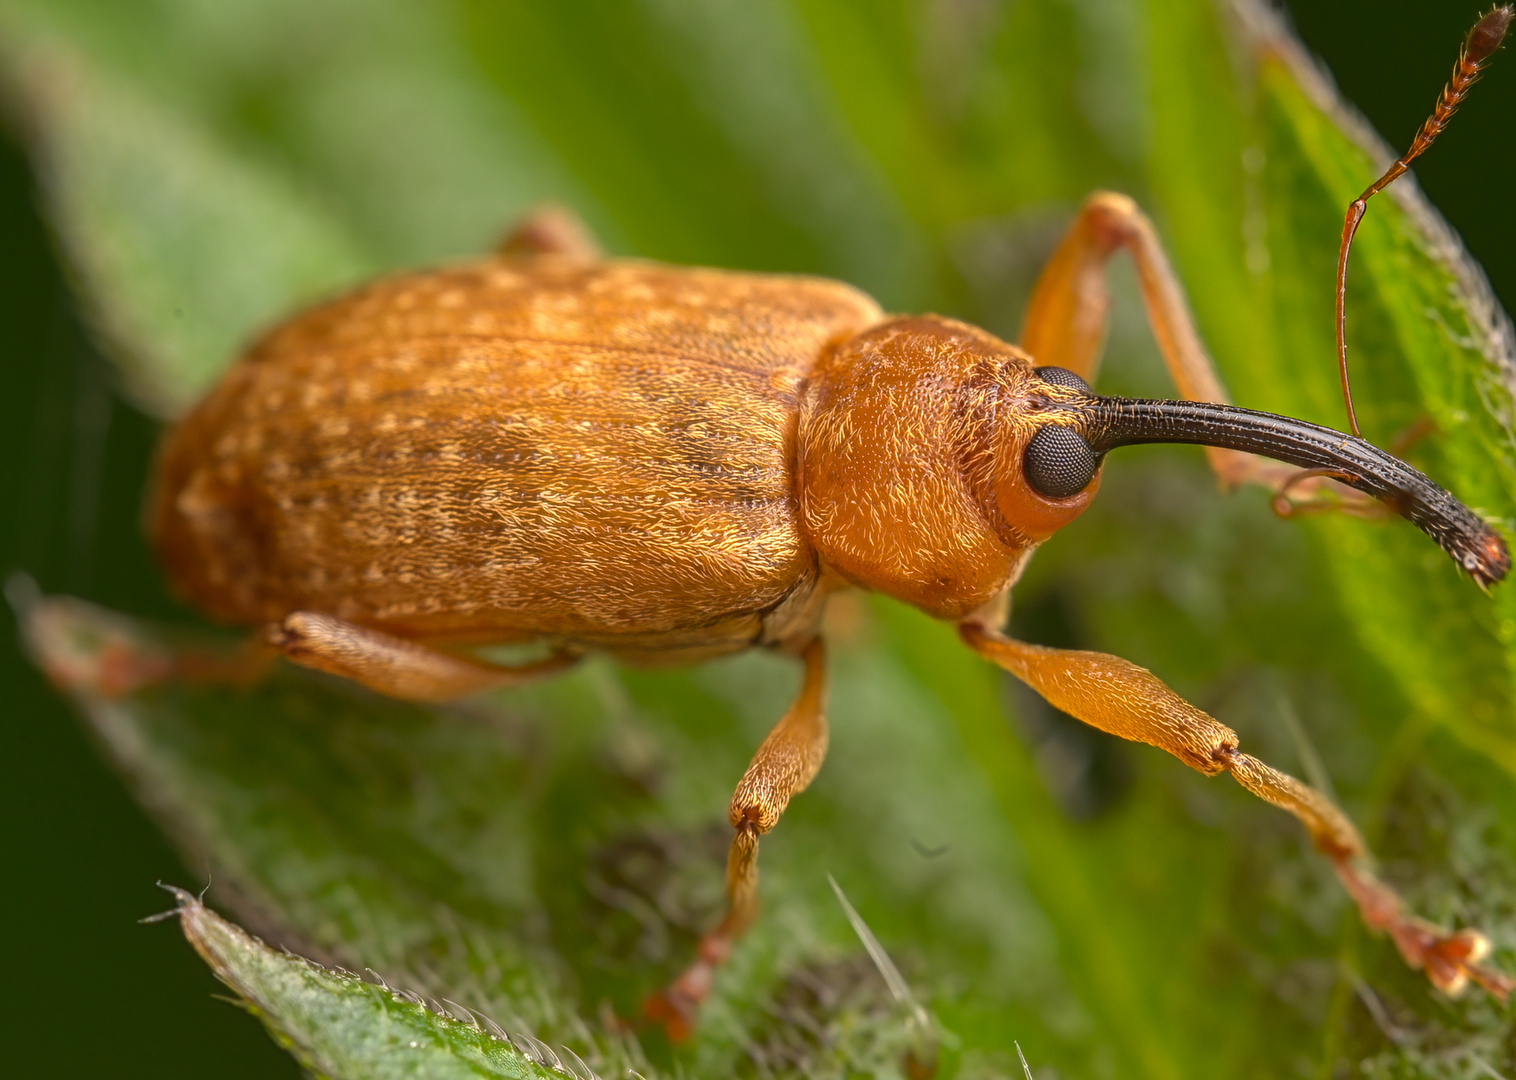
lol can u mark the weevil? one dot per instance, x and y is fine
(669, 464)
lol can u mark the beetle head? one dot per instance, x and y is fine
(933, 457)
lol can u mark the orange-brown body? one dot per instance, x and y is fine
(661, 462)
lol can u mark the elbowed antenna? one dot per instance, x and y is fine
(1479, 46)
(1109, 422)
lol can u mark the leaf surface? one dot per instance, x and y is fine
(550, 856)
(336, 1024)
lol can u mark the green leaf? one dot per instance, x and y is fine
(550, 856)
(336, 1024)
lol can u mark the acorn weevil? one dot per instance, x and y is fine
(669, 464)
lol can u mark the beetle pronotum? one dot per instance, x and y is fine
(669, 464)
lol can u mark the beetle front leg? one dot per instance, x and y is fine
(1065, 326)
(785, 764)
(1123, 699)
(394, 666)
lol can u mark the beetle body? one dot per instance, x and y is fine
(663, 463)
(670, 464)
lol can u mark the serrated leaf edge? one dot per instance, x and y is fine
(199, 924)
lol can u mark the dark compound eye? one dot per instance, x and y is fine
(1061, 377)
(1058, 462)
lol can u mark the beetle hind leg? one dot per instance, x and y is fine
(88, 651)
(784, 765)
(1125, 700)
(394, 666)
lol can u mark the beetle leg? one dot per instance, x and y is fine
(551, 229)
(1123, 699)
(395, 666)
(88, 650)
(784, 765)
(1066, 320)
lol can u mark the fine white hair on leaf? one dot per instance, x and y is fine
(1024, 1066)
(892, 977)
(1486, 1068)
(461, 1013)
(549, 1059)
(587, 1074)
(523, 1044)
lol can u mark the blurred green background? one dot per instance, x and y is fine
(88, 991)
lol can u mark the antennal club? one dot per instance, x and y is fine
(1481, 44)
